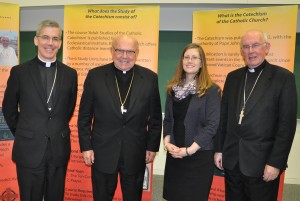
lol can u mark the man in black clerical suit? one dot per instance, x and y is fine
(38, 103)
(258, 123)
(120, 122)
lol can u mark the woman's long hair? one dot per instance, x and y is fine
(203, 80)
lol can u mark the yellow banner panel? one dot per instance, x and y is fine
(9, 28)
(220, 31)
(88, 33)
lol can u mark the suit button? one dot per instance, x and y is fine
(49, 118)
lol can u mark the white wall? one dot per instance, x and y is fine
(177, 17)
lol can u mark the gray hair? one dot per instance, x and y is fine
(48, 23)
(263, 34)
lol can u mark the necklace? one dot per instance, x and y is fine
(123, 110)
(246, 99)
(50, 94)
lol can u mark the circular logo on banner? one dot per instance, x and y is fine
(8, 195)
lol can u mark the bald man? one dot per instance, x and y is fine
(120, 122)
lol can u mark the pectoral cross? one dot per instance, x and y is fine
(241, 116)
(123, 110)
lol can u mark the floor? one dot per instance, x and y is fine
(291, 192)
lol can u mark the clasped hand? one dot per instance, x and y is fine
(176, 152)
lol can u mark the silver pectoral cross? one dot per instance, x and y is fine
(123, 110)
(241, 116)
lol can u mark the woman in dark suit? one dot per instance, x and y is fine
(191, 120)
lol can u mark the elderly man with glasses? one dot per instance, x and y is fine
(258, 123)
(119, 122)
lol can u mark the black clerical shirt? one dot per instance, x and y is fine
(124, 80)
(252, 76)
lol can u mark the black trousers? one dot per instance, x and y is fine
(45, 182)
(104, 185)
(239, 187)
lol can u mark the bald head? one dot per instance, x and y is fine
(125, 39)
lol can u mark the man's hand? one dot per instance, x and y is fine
(88, 157)
(218, 160)
(150, 156)
(270, 173)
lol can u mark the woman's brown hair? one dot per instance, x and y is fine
(203, 80)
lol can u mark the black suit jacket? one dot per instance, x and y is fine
(268, 127)
(26, 113)
(105, 130)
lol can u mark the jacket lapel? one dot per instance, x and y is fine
(137, 86)
(260, 89)
(110, 82)
(240, 79)
(58, 84)
(36, 77)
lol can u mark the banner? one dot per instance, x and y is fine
(219, 33)
(88, 33)
(9, 54)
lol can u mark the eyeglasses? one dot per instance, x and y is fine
(48, 38)
(188, 58)
(120, 52)
(254, 46)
